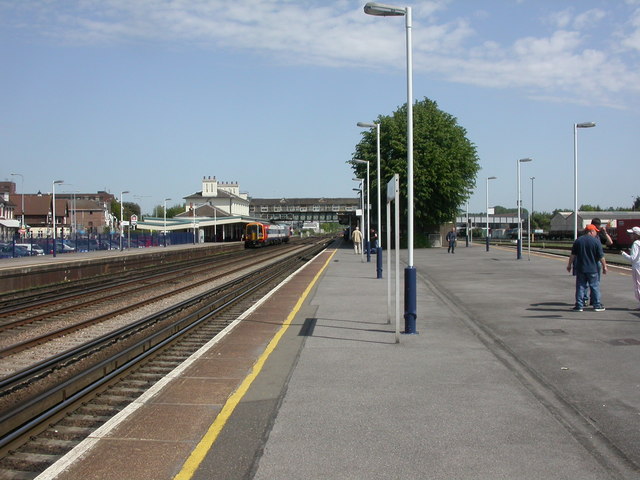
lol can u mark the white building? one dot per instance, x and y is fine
(224, 196)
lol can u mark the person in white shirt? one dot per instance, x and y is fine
(634, 257)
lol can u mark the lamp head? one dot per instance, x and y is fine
(366, 125)
(491, 178)
(585, 125)
(358, 160)
(526, 160)
(382, 10)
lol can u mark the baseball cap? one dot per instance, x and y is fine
(635, 230)
(591, 226)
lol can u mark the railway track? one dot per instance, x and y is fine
(40, 322)
(48, 408)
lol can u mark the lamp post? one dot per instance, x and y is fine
(466, 228)
(22, 189)
(576, 126)
(164, 232)
(53, 209)
(487, 235)
(367, 208)
(410, 307)
(529, 221)
(379, 244)
(360, 191)
(519, 241)
(122, 217)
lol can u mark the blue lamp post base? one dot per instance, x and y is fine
(410, 301)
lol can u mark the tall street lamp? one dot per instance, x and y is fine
(379, 244)
(22, 189)
(519, 246)
(410, 303)
(360, 191)
(368, 209)
(122, 217)
(53, 209)
(529, 221)
(576, 126)
(164, 233)
(487, 239)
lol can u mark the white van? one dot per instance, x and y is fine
(32, 248)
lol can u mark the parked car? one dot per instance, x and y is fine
(32, 248)
(9, 251)
(62, 247)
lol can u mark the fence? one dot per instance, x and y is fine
(30, 245)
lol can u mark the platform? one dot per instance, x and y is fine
(502, 381)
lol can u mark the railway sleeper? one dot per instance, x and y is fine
(78, 420)
(67, 432)
(128, 391)
(99, 410)
(28, 462)
(50, 446)
(111, 400)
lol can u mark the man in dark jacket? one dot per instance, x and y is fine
(451, 240)
(586, 253)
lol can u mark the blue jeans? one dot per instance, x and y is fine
(584, 282)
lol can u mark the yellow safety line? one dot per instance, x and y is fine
(197, 456)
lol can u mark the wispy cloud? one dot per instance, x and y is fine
(576, 59)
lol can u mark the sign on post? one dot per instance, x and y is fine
(134, 219)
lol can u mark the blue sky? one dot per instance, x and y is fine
(152, 95)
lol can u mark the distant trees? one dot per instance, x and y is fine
(158, 210)
(444, 168)
(130, 208)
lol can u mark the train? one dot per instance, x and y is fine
(261, 234)
(621, 238)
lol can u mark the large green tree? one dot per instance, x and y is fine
(445, 162)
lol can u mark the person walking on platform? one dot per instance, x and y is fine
(356, 236)
(586, 253)
(634, 257)
(451, 240)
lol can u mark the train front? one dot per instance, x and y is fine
(253, 235)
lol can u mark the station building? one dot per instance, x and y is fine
(301, 211)
(220, 211)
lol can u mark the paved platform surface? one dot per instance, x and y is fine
(502, 381)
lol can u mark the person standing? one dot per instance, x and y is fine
(634, 257)
(374, 238)
(606, 241)
(604, 237)
(586, 253)
(451, 240)
(356, 236)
